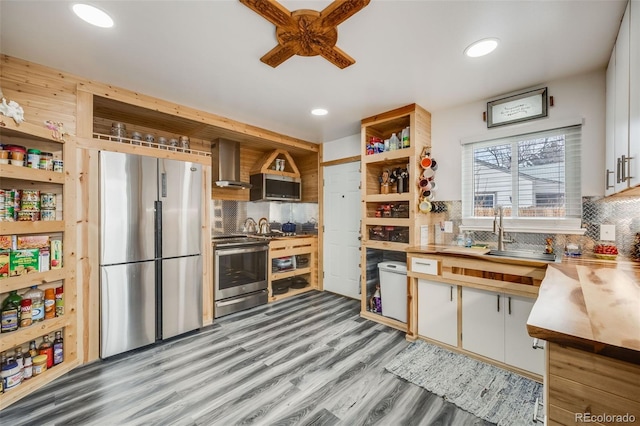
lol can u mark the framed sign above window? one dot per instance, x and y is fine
(517, 108)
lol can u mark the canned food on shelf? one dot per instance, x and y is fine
(58, 166)
(27, 216)
(47, 215)
(33, 158)
(48, 201)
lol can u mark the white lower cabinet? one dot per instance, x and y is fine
(438, 311)
(494, 325)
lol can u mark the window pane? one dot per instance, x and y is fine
(492, 175)
(541, 177)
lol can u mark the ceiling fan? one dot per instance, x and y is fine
(306, 32)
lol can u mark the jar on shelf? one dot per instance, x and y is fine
(46, 161)
(118, 131)
(136, 138)
(33, 158)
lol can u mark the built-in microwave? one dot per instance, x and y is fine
(274, 188)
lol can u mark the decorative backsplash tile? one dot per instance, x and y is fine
(623, 212)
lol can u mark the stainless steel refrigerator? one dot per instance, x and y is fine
(150, 250)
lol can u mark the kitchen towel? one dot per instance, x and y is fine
(489, 392)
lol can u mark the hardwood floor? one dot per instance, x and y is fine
(308, 360)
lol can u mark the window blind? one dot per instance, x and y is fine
(533, 176)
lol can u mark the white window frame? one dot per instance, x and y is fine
(568, 225)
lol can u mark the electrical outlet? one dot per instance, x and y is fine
(608, 232)
(448, 227)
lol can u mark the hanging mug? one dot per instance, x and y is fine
(434, 165)
(424, 206)
(425, 162)
(424, 184)
(428, 173)
(427, 195)
(433, 184)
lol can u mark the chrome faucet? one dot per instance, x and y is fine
(498, 228)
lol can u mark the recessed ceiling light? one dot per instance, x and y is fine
(319, 111)
(481, 47)
(93, 15)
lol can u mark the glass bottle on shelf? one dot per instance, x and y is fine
(33, 350)
(11, 312)
(58, 349)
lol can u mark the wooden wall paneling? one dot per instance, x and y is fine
(308, 166)
(88, 211)
(207, 249)
(320, 218)
(72, 332)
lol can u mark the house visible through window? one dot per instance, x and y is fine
(532, 176)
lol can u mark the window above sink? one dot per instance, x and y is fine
(534, 176)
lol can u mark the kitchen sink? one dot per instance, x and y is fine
(521, 254)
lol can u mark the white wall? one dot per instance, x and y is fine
(341, 148)
(581, 96)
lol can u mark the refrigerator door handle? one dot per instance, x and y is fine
(158, 212)
(163, 184)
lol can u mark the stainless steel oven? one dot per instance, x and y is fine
(240, 274)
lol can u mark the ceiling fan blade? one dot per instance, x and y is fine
(336, 56)
(339, 11)
(270, 10)
(279, 54)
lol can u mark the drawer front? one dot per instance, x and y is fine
(424, 266)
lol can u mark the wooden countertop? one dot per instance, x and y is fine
(585, 303)
(594, 308)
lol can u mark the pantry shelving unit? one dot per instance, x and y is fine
(391, 236)
(39, 137)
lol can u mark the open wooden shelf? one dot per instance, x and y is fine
(385, 245)
(27, 280)
(7, 171)
(35, 383)
(387, 198)
(34, 331)
(379, 318)
(290, 293)
(288, 274)
(387, 221)
(389, 156)
(37, 227)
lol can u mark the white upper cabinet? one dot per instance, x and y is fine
(634, 94)
(610, 108)
(623, 105)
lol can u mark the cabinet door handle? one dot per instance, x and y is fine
(451, 294)
(509, 304)
(628, 169)
(623, 168)
(618, 178)
(537, 344)
(607, 186)
(498, 300)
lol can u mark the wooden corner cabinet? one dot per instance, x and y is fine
(60, 226)
(391, 220)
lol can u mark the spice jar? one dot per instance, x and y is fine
(46, 161)
(136, 138)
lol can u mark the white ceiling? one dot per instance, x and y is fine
(205, 54)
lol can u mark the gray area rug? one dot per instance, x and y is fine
(489, 392)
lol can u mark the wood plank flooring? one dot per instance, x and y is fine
(307, 360)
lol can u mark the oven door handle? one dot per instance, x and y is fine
(235, 300)
(240, 250)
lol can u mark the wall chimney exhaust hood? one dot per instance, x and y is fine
(225, 157)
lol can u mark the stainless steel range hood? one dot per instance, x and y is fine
(225, 156)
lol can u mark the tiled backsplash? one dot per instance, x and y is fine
(228, 217)
(623, 212)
